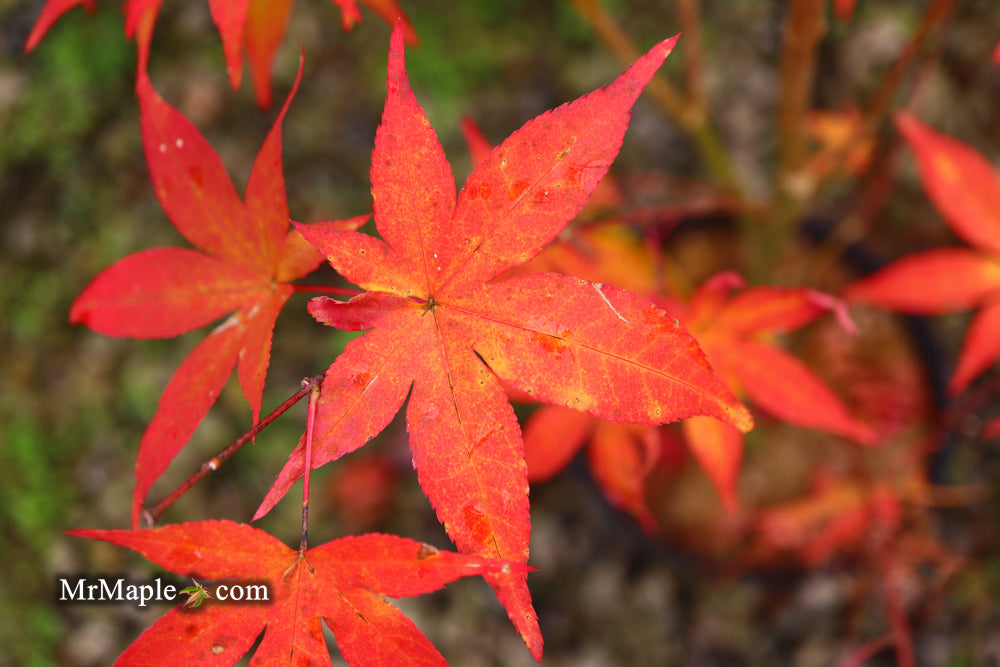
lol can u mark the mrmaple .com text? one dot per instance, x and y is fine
(108, 589)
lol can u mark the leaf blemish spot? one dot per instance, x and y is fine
(218, 648)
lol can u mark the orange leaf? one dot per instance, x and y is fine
(786, 388)
(718, 449)
(621, 456)
(944, 280)
(552, 437)
(981, 348)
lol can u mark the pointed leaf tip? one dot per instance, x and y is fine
(961, 183)
(397, 61)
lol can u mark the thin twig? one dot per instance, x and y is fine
(803, 31)
(689, 15)
(151, 516)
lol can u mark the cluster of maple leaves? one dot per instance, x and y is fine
(471, 299)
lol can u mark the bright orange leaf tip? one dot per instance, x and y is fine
(965, 189)
(445, 336)
(341, 582)
(246, 257)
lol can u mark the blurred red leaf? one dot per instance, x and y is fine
(844, 9)
(737, 333)
(552, 437)
(621, 456)
(965, 189)
(991, 429)
(835, 516)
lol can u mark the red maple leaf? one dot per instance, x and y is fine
(256, 26)
(341, 582)
(245, 260)
(443, 334)
(965, 189)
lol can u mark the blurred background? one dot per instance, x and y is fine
(75, 197)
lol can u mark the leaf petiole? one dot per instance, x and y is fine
(310, 421)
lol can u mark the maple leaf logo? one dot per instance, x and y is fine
(196, 594)
(447, 333)
(340, 583)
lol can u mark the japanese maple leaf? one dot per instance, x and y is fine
(245, 258)
(445, 335)
(341, 582)
(965, 189)
(256, 26)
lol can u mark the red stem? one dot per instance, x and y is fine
(151, 516)
(310, 420)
